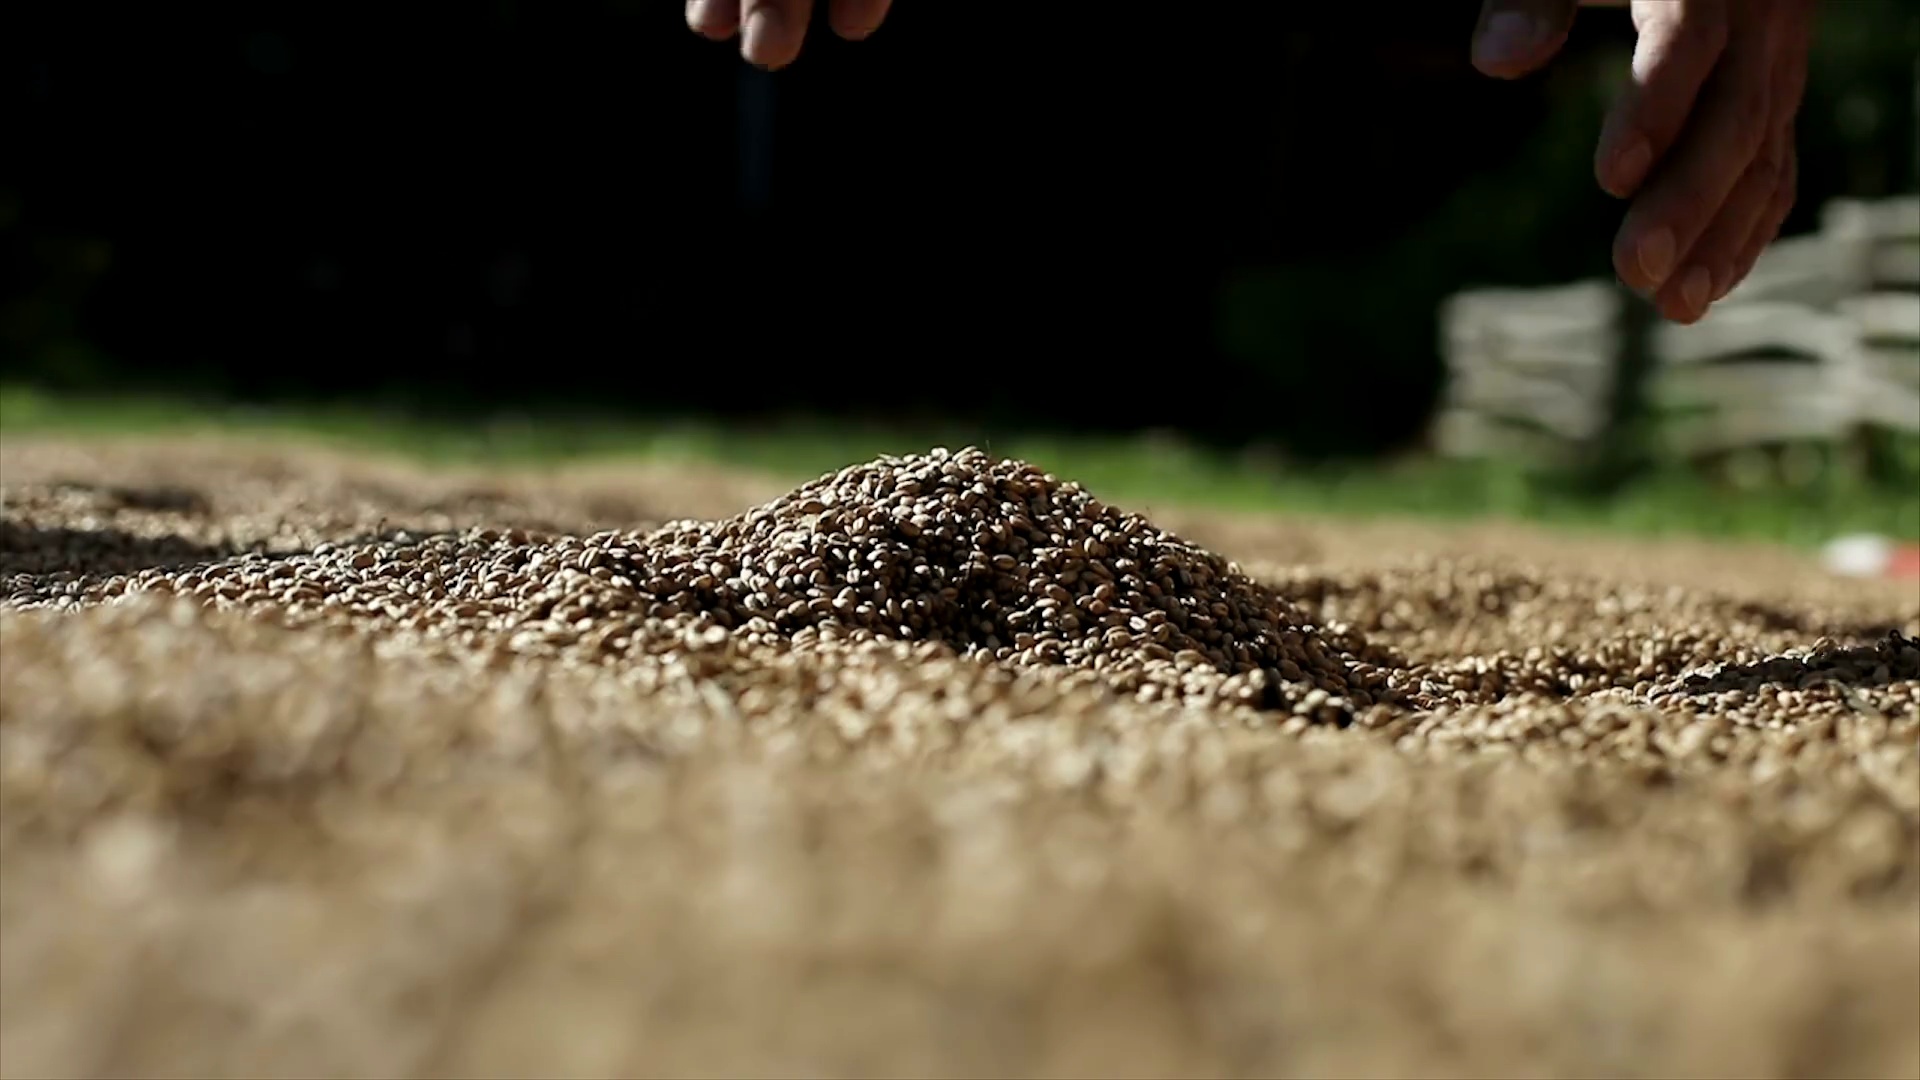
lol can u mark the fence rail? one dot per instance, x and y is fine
(1821, 341)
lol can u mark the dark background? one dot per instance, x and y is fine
(1234, 222)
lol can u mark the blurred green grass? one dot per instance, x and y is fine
(1141, 473)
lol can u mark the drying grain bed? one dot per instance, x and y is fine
(938, 766)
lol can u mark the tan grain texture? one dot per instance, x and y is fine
(318, 766)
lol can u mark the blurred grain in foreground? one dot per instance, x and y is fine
(1646, 809)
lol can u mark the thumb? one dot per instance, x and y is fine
(1515, 37)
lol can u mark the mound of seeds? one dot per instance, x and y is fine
(999, 560)
(994, 560)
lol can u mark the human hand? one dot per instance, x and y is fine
(771, 30)
(1702, 142)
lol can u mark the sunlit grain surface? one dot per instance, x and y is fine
(1610, 807)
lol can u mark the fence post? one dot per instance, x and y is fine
(1622, 448)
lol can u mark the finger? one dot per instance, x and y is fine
(1791, 45)
(1790, 86)
(1515, 37)
(1768, 230)
(1710, 265)
(1679, 43)
(772, 31)
(1720, 140)
(854, 20)
(715, 19)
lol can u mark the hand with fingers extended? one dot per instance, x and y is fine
(1703, 141)
(771, 30)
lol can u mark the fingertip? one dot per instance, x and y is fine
(1696, 290)
(1509, 68)
(1624, 270)
(856, 20)
(763, 40)
(1687, 298)
(852, 26)
(716, 20)
(1623, 165)
(1676, 311)
(1514, 44)
(1644, 255)
(1503, 73)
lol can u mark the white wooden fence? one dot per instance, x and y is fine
(1819, 342)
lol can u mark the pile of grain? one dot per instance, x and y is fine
(993, 559)
(323, 767)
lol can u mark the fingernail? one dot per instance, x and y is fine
(852, 31)
(1695, 289)
(763, 25)
(1508, 38)
(1655, 253)
(693, 11)
(1630, 166)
